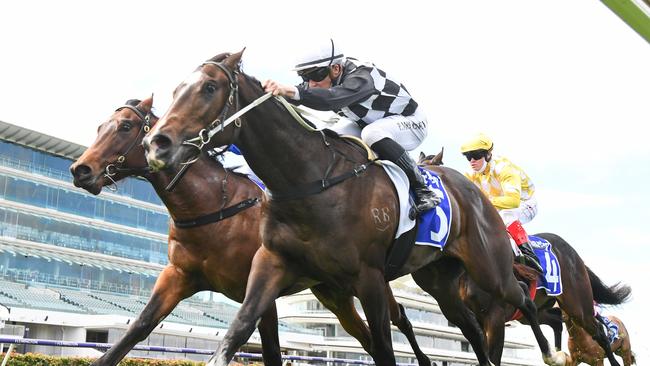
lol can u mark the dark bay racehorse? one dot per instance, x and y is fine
(581, 286)
(216, 256)
(335, 236)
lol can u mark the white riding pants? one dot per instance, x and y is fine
(526, 211)
(408, 131)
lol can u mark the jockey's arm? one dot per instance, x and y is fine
(511, 186)
(356, 87)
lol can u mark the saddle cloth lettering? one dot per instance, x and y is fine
(551, 279)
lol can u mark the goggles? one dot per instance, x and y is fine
(475, 154)
(317, 74)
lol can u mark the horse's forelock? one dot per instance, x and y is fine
(133, 102)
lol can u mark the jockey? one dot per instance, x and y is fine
(509, 189)
(612, 329)
(374, 107)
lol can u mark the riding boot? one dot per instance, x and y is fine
(425, 198)
(527, 256)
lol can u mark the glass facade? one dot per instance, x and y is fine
(48, 230)
(68, 201)
(44, 225)
(37, 162)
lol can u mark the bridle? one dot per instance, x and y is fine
(117, 167)
(220, 123)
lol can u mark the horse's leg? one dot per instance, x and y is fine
(553, 318)
(579, 309)
(494, 329)
(267, 278)
(399, 319)
(371, 291)
(498, 280)
(441, 282)
(268, 328)
(171, 287)
(342, 305)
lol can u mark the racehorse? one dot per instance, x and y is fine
(582, 347)
(321, 221)
(214, 256)
(581, 286)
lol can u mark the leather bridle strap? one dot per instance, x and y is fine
(217, 216)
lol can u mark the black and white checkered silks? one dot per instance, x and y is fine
(389, 112)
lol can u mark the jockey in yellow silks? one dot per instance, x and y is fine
(509, 189)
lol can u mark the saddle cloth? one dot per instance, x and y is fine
(612, 329)
(551, 279)
(434, 225)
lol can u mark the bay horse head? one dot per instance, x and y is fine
(117, 151)
(210, 93)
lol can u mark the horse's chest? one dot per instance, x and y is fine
(184, 257)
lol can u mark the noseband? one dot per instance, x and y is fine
(117, 167)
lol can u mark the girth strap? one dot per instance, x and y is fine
(217, 216)
(316, 187)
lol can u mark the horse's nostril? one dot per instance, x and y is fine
(81, 171)
(161, 142)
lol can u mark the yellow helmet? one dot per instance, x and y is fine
(478, 142)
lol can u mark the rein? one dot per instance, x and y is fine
(219, 125)
(113, 168)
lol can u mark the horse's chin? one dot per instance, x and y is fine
(93, 187)
(156, 165)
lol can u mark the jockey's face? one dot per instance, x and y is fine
(335, 71)
(477, 165)
(325, 83)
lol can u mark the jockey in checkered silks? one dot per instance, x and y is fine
(373, 106)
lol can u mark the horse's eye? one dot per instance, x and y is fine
(210, 88)
(125, 126)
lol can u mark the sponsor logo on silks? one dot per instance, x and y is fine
(551, 279)
(434, 225)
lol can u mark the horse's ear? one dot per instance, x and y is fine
(233, 61)
(422, 157)
(437, 160)
(146, 104)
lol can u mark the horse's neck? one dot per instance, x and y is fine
(199, 191)
(278, 149)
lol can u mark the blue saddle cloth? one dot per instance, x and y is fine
(551, 279)
(434, 225)
(612, 329)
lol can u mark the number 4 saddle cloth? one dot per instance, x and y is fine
(551, 279)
